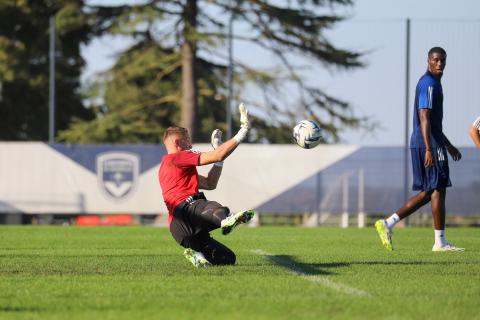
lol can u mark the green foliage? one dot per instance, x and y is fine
(24, 48)
(132, 89)
(139, 97)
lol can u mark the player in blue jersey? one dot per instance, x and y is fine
(429, 147)
(475, 132)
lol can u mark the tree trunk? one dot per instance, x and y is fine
(189, 86)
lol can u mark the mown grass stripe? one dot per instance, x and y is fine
(320, 279)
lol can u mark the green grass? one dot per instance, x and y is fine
(319, 273)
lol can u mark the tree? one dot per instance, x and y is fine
(195, 28)
(138, 98)
(24, 48)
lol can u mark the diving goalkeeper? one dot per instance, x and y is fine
(191, 215)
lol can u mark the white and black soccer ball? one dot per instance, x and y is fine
(307, 134)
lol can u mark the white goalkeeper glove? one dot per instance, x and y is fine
(243, 116)
(244, 123)
(216, 141)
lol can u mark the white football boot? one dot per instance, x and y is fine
(196, 258)
(234, 220)
(447, 247)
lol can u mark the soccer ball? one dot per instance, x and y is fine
(307, 134)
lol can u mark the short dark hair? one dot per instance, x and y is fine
(437, 50)
(170, 131)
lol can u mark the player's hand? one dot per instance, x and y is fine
(428, 159)
(216, 139)
(244, 123)
(456, 155)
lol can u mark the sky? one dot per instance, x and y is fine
(378, 91)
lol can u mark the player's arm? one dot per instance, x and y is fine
(425, 128)
(475, 132)
(475, 135)
(211, 180)
(219, 154)
(456, 155)
(224, 150)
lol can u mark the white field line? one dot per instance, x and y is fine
(340, 287)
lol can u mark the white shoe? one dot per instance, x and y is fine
(447, 247)
(234, 220)
(196, 258)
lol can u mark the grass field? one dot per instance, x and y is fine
(281, 273)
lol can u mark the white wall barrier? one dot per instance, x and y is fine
(327, 183)
(39, 178)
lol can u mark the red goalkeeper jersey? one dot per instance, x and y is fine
(178, 178)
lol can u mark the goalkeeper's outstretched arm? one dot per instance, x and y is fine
(225, 149)
(211, 180)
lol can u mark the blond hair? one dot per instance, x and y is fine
(174, 131)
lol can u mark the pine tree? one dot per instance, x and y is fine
(139, 97)
(24, 68)
(195, 28)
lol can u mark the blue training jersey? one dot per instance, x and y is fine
(428, 95)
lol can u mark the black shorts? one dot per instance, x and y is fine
(194, 219)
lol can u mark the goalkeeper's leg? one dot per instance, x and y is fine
(215, 252)
(207, 215)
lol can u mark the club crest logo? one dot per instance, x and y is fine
(117, 173)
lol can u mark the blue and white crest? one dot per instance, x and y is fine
(117, 173)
